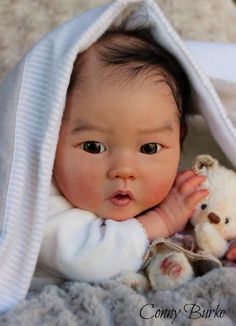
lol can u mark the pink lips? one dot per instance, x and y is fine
(121, 198)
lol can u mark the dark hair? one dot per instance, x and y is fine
(138, 54)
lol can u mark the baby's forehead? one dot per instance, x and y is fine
(113, 58)
(130, 59)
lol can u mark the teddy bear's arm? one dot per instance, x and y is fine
(169, 270)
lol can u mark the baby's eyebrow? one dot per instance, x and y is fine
(87, 127)
(167, 127)
(80, 127)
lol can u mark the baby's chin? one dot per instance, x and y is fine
(117, 217)
(121, 216)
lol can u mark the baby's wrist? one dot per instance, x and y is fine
(165, 221)
(154, 225)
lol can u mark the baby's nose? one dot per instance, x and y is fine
(123, 173)
(214, 218)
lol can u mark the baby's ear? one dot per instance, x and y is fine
(203, 163)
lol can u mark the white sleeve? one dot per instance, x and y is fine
(81, 246)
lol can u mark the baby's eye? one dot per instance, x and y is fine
(150, 148)
(93, 147)
(204, 206)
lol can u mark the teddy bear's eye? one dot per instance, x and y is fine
(204, 206)
(226, 220)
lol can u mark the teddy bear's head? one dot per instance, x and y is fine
(219, 208)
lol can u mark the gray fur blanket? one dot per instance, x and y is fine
(207, 300)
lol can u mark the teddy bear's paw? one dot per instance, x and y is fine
(137, 281)
(202, 163)
(169, 270)
(171, 267)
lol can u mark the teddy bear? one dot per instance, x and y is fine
(169, 264)
(214, 219)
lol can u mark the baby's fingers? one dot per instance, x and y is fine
(182, 177)
(231, 255)
(196, 197)
(191, 184)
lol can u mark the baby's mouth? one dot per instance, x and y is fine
(121, 198)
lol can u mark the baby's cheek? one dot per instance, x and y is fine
(159, 191)
(86, 195)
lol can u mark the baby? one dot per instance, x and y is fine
(116, 186)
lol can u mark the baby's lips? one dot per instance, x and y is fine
(121, 198)
(122, 193)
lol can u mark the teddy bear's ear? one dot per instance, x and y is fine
(203, 163)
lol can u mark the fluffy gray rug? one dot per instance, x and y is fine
(207, 300)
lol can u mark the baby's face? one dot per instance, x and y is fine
(119, 146)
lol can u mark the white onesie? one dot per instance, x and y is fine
(79, 245)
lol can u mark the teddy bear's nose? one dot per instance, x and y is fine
(214, 218)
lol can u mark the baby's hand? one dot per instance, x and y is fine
(178, 206)
(172, 214)
(231, 254)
